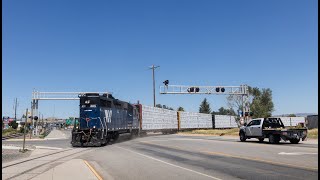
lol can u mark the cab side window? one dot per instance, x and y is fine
(250, 123)
(258, 122)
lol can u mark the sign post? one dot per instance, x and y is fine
(24, 132)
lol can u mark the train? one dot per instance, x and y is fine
(103, 118)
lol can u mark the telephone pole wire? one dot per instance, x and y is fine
(154, 89)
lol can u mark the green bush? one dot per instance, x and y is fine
(13, 124)
(9, 131)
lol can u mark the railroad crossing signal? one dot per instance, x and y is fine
(241, 90)
(222, 90)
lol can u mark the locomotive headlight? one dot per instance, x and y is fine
(94, 127)
(87, 101)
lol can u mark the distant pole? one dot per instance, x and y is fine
(154, 89)
(15, 110)
(31, 129)
(24, 131)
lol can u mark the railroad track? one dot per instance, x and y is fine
(66, 153)
(15, 135)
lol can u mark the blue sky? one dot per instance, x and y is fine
(58, 45)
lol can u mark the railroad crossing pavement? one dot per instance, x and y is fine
(56, 165)
(58, 134)
(75, 168)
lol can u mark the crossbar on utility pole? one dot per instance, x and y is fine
(154, 89)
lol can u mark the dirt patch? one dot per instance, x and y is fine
(313, 133)
(213, 132)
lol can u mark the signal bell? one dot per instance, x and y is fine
(193, 89)
(166, 82)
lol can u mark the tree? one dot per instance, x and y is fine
(164, 107)
(13, 124)
(223, 111)
(205, 107)
(180, 109)
(262, 105)
(235, 101)
(260, 102)
(292, 115)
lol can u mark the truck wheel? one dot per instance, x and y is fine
(295, 141)
(274, 139)
(278, 139)
(242, 137)
(261, 139)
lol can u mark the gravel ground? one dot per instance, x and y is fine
(14, 154)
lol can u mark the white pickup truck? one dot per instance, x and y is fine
(273, 129)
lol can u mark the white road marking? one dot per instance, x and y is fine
(11, 147)
(169, 163)
(47, 147)
(55, 138)
(295, 153)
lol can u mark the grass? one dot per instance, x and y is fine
(214, 132)
(313, 133)
(6, 132)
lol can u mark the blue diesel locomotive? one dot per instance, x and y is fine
(103, 118)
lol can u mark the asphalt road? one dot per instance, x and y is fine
(185, 157)
(195, 157)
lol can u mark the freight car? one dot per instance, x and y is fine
(104, 118)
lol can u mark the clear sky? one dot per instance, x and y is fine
(77, 45)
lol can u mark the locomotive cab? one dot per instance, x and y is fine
(90, 111)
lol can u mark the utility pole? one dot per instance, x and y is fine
(154, 89)
(15, 110)
(31, 129)
(24, 131)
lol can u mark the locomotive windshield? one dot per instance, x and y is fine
(89, 101)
